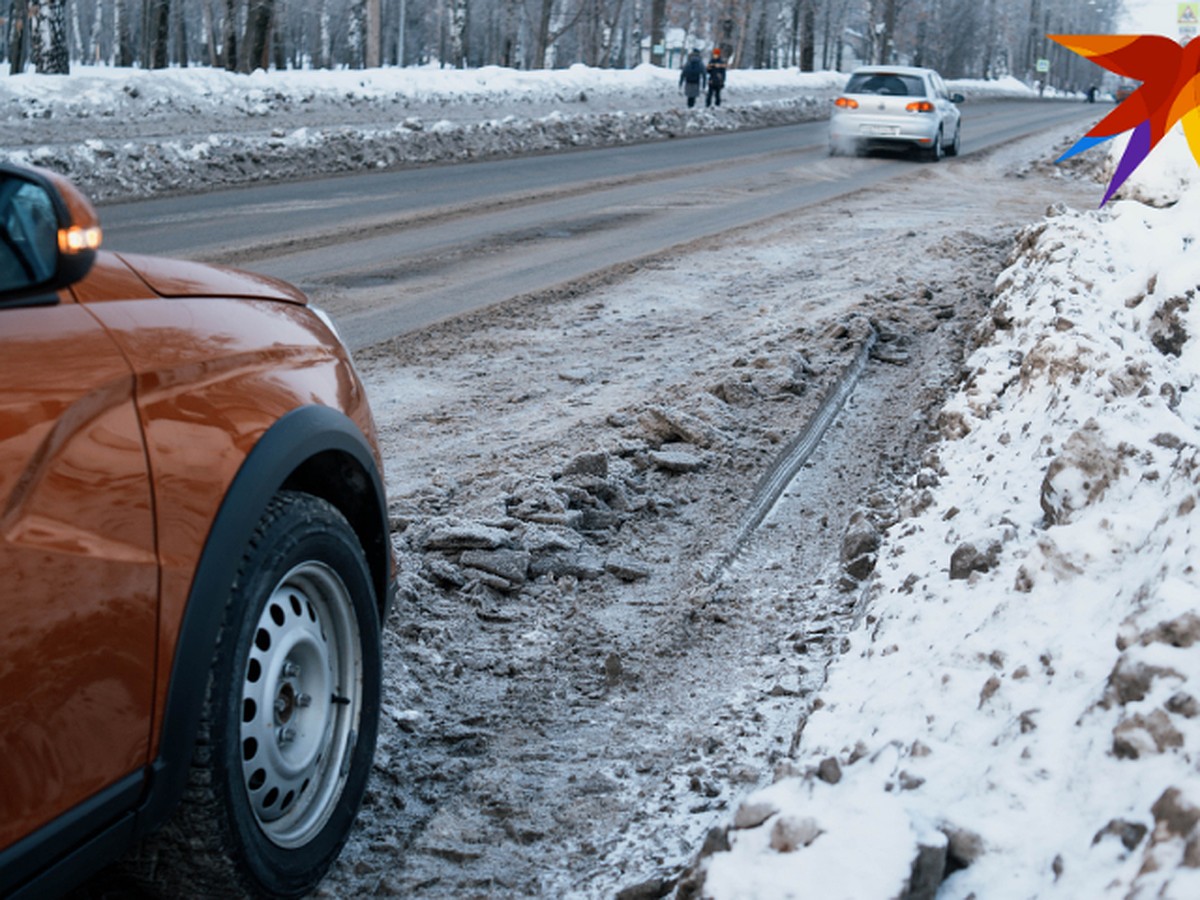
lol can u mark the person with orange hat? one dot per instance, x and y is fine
(716, 78)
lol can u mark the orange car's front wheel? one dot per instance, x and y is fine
(288, 733)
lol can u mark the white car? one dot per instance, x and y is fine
(895, 107)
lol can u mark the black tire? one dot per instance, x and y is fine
(291, 713)
(936, 151)
(953, 149)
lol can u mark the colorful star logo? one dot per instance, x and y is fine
(1169, 93)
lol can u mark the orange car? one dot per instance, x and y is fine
(195, 561)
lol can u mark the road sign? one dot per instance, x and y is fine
(1043, 65)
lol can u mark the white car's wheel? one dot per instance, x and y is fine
(952, 150)
(936, 151)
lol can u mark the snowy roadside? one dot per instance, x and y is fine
(572, 704)
(127, 133)
(1017, 713)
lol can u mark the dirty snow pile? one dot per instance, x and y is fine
(1017, 714)
(124, 133)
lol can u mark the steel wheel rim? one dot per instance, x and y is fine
(301, 699)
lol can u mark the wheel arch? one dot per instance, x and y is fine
(314, 449)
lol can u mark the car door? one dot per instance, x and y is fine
(947, 110)
(78, 570)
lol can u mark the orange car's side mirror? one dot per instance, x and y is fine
(49, 234)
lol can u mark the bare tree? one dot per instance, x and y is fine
(374, 34)
(48, 37)
(987, 38)
(210, 34)
(324, 52)
(610, 15)
(18, 19)
(510, 33)
(229, 42)
(76, 32)
(658, 30)
(546, 36)
(123, 44)
(633, 47)
(180, 30)
(257, 41)
(356, 38)
(157, 30)
(93, 53)
(460, 15)
(808, 34)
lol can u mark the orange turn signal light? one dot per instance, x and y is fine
(77, 240)
(920, 106)
(846, 103)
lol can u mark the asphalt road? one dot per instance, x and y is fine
(386, 253)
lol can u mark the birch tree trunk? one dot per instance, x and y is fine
(48, 31)
(459, 18)
(610, 23)
(541, 41)
(323, 52)
(356, 36)
(281, 37)
(76, 35)
(33, 28)
(93, 47)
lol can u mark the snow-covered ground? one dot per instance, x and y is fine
(126, 133)
(1019, 702)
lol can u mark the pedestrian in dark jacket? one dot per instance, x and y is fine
(716, 78)
(692, 77)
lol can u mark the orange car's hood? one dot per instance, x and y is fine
(109, 279)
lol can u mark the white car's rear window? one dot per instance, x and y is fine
(888, 83)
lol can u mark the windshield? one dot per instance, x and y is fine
(886, 83)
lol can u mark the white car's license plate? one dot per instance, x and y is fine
(884, 130)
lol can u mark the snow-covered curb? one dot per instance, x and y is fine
(109, 169)
(1017, 716)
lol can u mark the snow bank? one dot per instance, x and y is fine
(101, 90)
(126, 169)
(126, 133)
(1017, 714)
(1008, 86)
